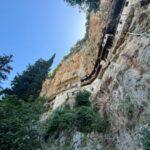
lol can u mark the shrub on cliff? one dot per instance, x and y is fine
(82, 98)
(83, 118)
(145, 137)
(88, 120)
(61, 119)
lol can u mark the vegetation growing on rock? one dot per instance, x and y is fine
(82, 118)
(20, 127)
(82, 98)
(145, 137)
(91, 4)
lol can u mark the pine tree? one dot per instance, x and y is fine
(28, 84)
(91, 4)
(5, 67)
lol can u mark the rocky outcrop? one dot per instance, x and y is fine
(124, 92)
(82, 59)
(122, 89)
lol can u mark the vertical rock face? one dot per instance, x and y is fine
(125, 90)
(123, 93)
(81, 61)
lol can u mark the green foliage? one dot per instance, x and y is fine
(52, 75)
(19, 123)
(145, 138)
(128, 108)
(21, 108)
(83, 118)
(66, 146)
(5, 67)
(88, 120)
(82, 98)
(100, 123)
(91, 4)
(75, 2)
(60, 120)
(29, 83)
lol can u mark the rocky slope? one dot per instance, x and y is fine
(122, 92)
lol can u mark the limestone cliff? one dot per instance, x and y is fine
(83, 56)
(121, 91)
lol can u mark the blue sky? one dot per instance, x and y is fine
(33, 29)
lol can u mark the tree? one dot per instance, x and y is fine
(19, 124)
(5, 67)
(75, 2)
(91, 4)
(29, 83)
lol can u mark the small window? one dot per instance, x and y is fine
(127, 3)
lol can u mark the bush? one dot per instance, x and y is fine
(29, 82)
(82, 118)
(82, 98)
(145, 138)
(128, 108)
(87, 120)
(85, 117)
(100, 124)
(60, 120)
(91, 4)
(19, 123)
